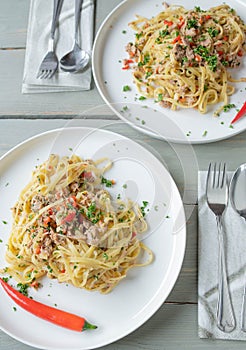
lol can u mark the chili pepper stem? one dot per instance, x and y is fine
(88, 325)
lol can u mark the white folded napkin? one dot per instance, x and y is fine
(235, 241)
(38, 33)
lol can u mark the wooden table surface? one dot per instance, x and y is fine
(21, 116)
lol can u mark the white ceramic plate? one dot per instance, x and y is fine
(144, 290)
(177, 126)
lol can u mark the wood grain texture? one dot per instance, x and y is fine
(13, 23)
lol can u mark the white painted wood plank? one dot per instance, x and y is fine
(13, 102)
(13, 23)
(14, 20)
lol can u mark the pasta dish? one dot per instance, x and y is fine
(67, 226)
(181, 58)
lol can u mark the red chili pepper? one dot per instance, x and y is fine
(129, 61)
(240, 114)
(86, 174)
(69, 217)
(168, 23)
(207, 17)
(48, 313)
(126, 67)
(46, 220)
(240, 53)
(177, 39)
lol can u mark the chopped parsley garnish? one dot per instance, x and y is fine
(105, 255)
(163, 33)
(148, 74)
(4, 222)
(23, 288)
(123, 31)
(192, 23)
(226, 108)
(225, 63)
(189, 37)
(138, 35)
(49, 269)
(213, 32)
(126, 88)
(184, 59)
(205, 133)
(141, 98)
(160, 97)
(198, 9)
(108, 183)
(145, 60)
(143, 207)
(91, 211)
(212, 62)
(204, 53)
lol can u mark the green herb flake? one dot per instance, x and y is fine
(14, 308)
(105, 255)
(142, 98)
(23, 288)
(126, 88)
(4, 222)
(108, 183)
(192, 23)
(213, 32)
(139, 35)
(226, 108)
(143, 207)
(205, 133)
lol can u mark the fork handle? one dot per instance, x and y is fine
(225, 316)
(56, 12)
(243, 311)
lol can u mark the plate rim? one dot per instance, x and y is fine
(179, 244)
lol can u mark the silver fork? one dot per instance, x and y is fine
(217, 199)
(49, 64)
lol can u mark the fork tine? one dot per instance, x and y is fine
(214, 173)
(223, 182)
(208, 176)
(219, 176)
(52, 72)
(46, 74)
(40, 72)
